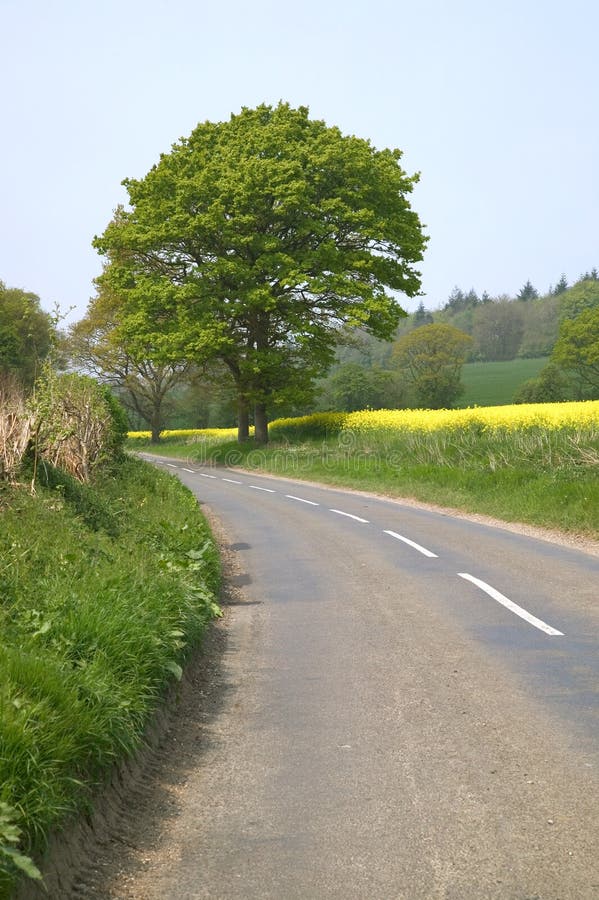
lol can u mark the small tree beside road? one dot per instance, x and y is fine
(26, 334)
(144, 386)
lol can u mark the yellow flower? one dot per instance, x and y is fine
(387, 422)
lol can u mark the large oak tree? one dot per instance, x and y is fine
(254, 241)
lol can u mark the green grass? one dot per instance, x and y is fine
(104, 592)
(176, 447)
(495, 383)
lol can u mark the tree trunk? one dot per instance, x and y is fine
(243, 420)
(156, 429)
(260, 424)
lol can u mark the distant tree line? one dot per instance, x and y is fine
(420, 366)
(374, 373)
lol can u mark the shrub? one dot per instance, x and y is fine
(550, 386)
(78, 425)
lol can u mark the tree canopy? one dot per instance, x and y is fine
(352, 387)
(577, 348)
(254, 241)
(431, 357)
(560, 287)
(497, 330)
(26, 333)
(582, 296)
(144, 386)
(527, 292)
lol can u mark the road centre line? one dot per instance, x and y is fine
(350, 516)
(301, 500)
(491, 591)
(413, 544)
(509, 604)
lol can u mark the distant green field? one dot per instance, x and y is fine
(494, 383)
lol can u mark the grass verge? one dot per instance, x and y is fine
(104, 590)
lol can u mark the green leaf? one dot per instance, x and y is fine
(175, 668)
(43, 629)
(24, 863)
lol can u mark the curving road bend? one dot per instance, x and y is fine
(412, 708)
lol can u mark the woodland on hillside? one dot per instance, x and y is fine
(527, 326)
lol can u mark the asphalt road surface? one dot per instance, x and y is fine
(411, 708)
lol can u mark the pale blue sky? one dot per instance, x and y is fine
(496, 106)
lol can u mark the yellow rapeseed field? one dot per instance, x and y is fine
(188, 434)
(522, 417)
(488, 418)
(540, 436)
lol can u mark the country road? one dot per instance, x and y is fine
(409, 708)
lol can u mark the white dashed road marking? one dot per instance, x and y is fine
(509, 604)
(301, 500)
(496, 595)
(350, 516)
(413, 544)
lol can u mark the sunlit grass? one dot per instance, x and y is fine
(105, 590)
